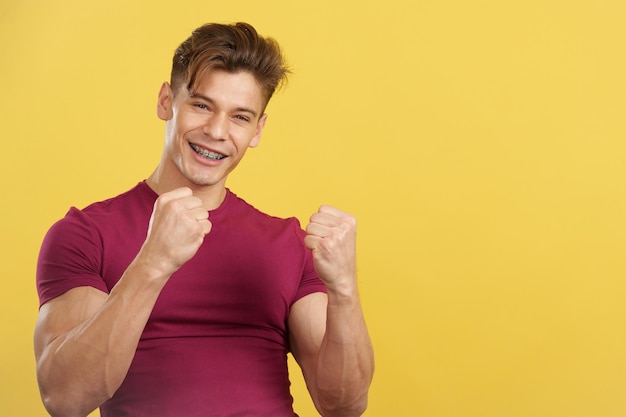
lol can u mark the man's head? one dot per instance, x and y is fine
(233, 48)
(214, 108)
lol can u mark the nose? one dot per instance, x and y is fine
(216, 126)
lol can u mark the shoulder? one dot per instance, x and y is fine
(84, 227)
(132, 206)
(139, 197)
(72, 251)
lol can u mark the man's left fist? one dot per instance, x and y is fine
(331, 237)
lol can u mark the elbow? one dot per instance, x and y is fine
(352, 411)
(59, 403)
(52, 399)
(59, 407)
(359, 408)
(56, 407)
(346, 400)
(343, 408)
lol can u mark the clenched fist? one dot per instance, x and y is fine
(177, 229)
(331, 237)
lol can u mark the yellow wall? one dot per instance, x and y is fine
(480, 143)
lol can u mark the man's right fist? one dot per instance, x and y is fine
(176, 231)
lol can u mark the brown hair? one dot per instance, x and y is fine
(233, 48)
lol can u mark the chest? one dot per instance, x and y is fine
(244, 276)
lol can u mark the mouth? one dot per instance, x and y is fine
(207, 154)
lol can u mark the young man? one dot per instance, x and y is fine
(177, 298)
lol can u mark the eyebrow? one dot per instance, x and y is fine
(210, 100)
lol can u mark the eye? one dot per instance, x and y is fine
(201, 106)
(242, 118)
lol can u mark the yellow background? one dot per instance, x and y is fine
(479, 143)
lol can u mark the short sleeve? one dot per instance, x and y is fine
(70, 257)
(310, 282)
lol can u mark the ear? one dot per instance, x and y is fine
(165, 102)
(259, 128)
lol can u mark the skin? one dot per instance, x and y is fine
(85, 339)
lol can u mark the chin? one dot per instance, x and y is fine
(200, 177)
(203, 181)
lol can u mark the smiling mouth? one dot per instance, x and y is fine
(205, 153)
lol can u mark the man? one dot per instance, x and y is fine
(177, 298)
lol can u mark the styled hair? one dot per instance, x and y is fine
(233, 48)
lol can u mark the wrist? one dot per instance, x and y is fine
(151, 269)
(342, 293)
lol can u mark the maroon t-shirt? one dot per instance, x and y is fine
(216, 343)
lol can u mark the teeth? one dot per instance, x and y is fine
(214, 156)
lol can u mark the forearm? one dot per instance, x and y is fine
(346, 361)
(82, 368)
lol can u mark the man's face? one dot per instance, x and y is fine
(208, 133)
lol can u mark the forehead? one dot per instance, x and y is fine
(223, 87)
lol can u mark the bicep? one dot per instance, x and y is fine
(64, 313)
(307, 325)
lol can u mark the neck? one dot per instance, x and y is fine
(211, 195)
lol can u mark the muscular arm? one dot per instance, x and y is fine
(328, 332)
(85, 339)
